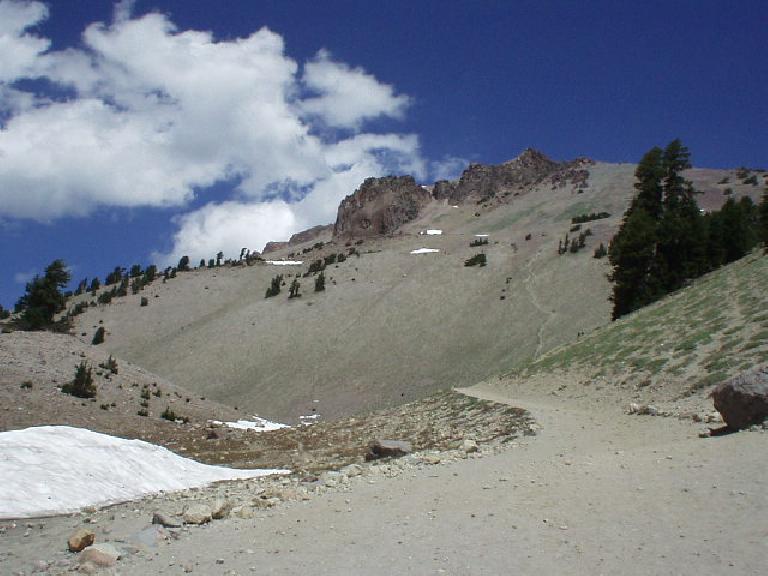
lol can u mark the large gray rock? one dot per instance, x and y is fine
(387, 449)
(197, 514)
(102, 555)
(165, 520)
(743, 400)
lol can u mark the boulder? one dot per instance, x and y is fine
(387, 449)
(244, 512)
(197, 514)
(221, 509)
(469, 446)
(101, 555)
(80, 539)
(743, 399)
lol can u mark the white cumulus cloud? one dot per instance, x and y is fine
(348, 96)
(145, 114)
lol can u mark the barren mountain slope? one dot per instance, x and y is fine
(390, 326)
(36, 364)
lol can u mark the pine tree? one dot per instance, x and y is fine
(681, 234)
(293, 291)
(98, 337)
(763, 220)
(713, 223)
(43, 298)
(631, 253)
(649, 174)
(274, 288)
(115, 276)
(739, 221)
(82, 386)
(320, 282)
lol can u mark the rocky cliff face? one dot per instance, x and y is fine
(380, 206)
(481, 181)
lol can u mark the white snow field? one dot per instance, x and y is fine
(285, 262)
(424, 251)
(258, 424)
(51, 470)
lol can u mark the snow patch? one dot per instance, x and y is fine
(434, 232)
(258, 424)
(285, 262)
(50, 470)
(481, 235)
(424, 251)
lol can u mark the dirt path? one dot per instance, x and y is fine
(595, 492)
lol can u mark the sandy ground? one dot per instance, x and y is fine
(595, 492)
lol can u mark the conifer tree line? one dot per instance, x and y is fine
(664, 239)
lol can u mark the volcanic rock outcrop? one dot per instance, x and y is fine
(380, 206)
(482, 181)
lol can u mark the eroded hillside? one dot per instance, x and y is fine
(391, 326)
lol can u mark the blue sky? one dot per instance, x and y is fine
(136, 132)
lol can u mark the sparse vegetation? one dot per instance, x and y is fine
(274, 288)
(320, 282)
(171, 416)
(479, 259)
(478, 242)
(98, 337)
(715, 327)
(293, 290)
(110, 364)
(601, 251)
(581, 219)
(82, 386)
(44, 299)
(316, 266)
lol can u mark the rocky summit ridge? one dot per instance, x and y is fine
(381, 205)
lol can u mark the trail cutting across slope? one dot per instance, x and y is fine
(548, 314)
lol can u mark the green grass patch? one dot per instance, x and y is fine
(508, 221)
(692, 342)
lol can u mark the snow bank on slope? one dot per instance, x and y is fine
(285, 262)
(424, 251)
(258, 424)
(56, 469)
